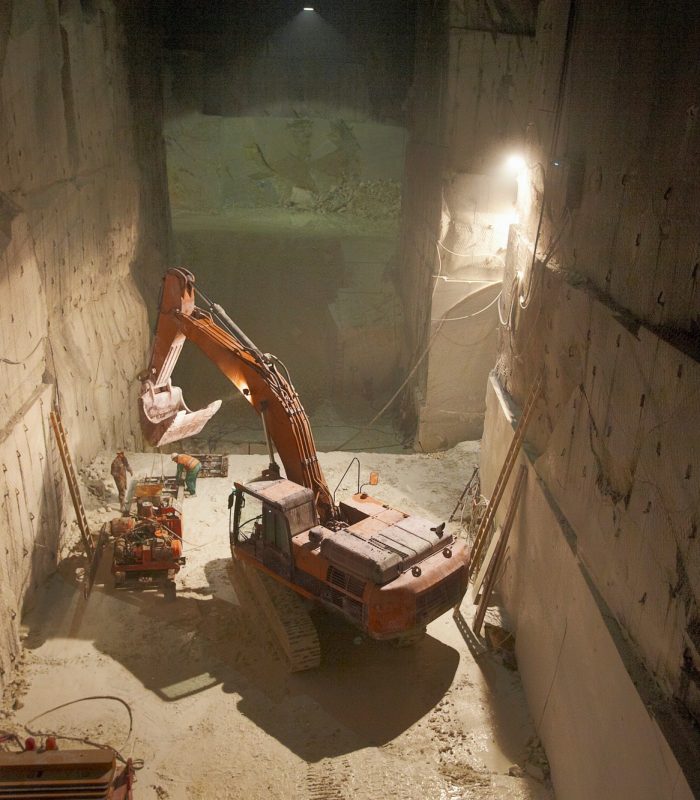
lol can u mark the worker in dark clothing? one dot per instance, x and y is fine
(190, 466)
(120, 466)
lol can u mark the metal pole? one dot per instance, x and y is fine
(273, 468)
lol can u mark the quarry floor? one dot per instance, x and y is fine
(215, 713)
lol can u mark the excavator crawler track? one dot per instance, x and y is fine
(292, 627)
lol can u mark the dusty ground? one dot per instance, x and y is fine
(217, 716)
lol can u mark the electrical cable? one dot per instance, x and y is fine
(439, 272)
(425, 352)
(445, 279)
(136, 763)
(469, 316)
(431, 342)
(452, 252)
(389, 402)
(524, 300)
(555, 138)
(467, 345)
(518, 355)
(513, 294)
(538, 727)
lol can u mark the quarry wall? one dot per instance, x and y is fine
(602, 571)
(83, 210)
(468, 101)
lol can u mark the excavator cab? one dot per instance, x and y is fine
(266, 514)
(262, 531)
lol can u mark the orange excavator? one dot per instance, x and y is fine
(388, 572)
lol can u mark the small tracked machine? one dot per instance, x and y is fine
(147, 539)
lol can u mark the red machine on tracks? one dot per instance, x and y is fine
(148, 538)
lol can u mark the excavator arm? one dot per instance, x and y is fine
(165, 417)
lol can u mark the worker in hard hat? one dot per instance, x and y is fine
(120, 466)
(190, 466)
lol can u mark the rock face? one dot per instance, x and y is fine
(82, 211)
(603, 577)
(469, 100)
(603, 573)
(329, 166)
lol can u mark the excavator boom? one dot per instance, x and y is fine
(166, 418)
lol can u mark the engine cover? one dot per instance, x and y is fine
(387, 551)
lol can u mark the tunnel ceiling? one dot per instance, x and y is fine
(339, 43)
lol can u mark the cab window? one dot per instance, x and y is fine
(275, 530)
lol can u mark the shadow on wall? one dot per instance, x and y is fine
(31, 514)
(48, 539)
(202, 641)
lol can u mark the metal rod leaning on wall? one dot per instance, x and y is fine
(511, 456)
(464, 492)
(497, 560)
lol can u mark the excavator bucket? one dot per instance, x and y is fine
(166, 418)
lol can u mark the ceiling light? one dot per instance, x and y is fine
(515, 164)
(308, 8)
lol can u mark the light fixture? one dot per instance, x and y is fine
(515, 164)
(308, 8)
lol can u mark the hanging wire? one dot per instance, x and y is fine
(440, 322)
(469, 316)
(389, 402)
(513, 294)
(452, 252)
(555, 138)
(136, 763)
(439, 272)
